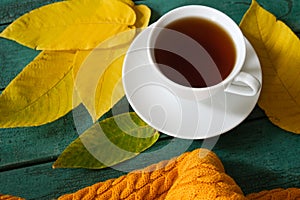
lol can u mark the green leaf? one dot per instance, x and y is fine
(108, 143)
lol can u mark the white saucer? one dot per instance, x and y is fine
(179, 117)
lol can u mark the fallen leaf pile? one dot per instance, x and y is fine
(43, 91)
(70, 35)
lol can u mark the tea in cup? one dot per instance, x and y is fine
(185, 74)
(198, 51)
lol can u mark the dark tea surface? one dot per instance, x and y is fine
(212, 63)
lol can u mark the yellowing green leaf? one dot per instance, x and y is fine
(108, 143)
(72, 25)
(278, 49)
(41, 93)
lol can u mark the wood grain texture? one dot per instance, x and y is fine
(285, 10)
(260, 156)
(38, 144)
(254, 154)
(257, 154)
(13, 58)
(42, 182)
(20, 146)
(12, 9)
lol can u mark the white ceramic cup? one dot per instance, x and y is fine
(237, 82)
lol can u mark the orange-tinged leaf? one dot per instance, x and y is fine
(143, 14)
(278, 49)
(128, 2)
(72, 25)
(41, 93)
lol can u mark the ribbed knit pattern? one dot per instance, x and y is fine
(193, 175)
(276, 194)
(196, 175)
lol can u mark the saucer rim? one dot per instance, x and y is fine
(251, 105)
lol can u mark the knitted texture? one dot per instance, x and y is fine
(197, 175)
(9, 197)
(276, 194)
(193, 175)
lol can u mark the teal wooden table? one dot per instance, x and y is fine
(257, 154)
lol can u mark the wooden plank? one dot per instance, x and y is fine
(42, 182)
(12, 9)
(287, 11)
(257, 155)
(22, 146)
(13, 58)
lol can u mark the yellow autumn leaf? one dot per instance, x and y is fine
(98, 78)
(79, 58)
(143, 14)
(278, 49)
(128, 2)
(41, 93)
(98, 73)
(72, 25)
(109, 83)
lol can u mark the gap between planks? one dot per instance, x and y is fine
(25, 164)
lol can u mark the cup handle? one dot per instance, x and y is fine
(244, 84)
